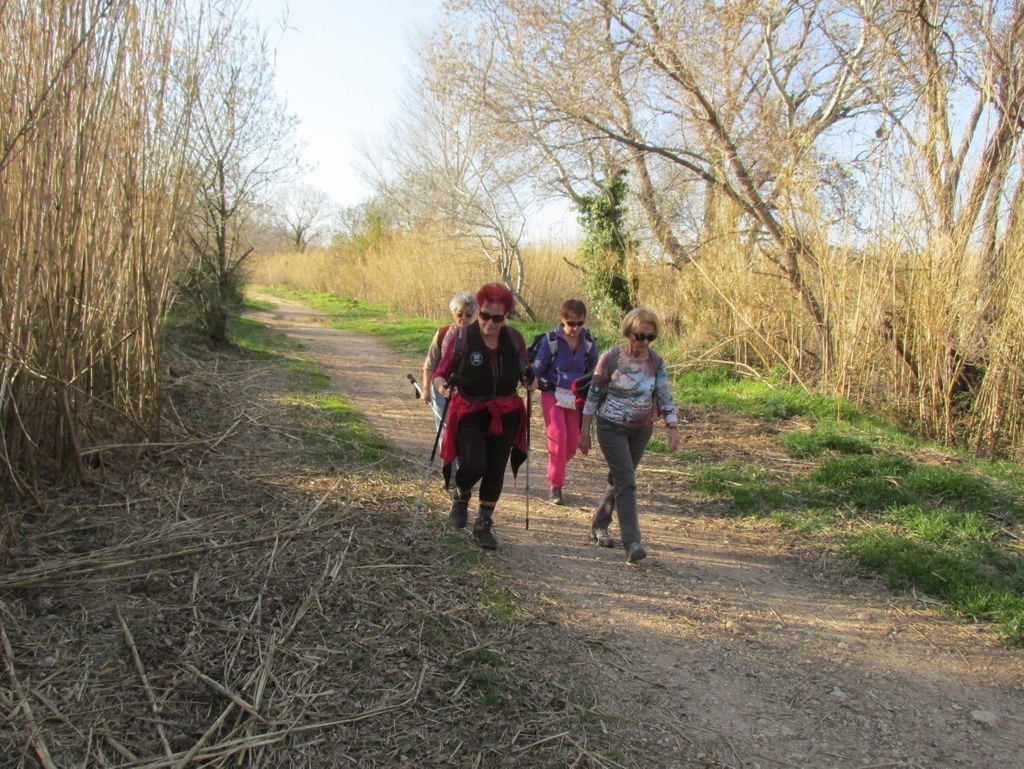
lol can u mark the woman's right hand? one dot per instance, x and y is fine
(584, 444)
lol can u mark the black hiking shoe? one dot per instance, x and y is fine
(459, 513)
(556, 496)
(482, 533)
(635, 552)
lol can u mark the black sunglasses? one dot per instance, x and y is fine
(486, 316)
(644, 337)
(574, 323)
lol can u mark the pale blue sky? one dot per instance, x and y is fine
(340, 66)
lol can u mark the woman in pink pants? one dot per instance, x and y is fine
(565, 354)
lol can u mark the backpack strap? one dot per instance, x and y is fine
(613, 358)
(521, 349)
(460, 342)
(440, 335)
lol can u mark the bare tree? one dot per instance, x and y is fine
(242, 145)
(737, 103)
(300, 214)
(954, 106)
(439, 167)
(957, 111)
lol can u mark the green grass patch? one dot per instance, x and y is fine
(351, 438)
(949, 555)
(824, 437)
(250, 303)
(267, 344)
(937, 529)
(768, 398)
(497, 599)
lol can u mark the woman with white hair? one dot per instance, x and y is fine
(463, 309)
(629, 388)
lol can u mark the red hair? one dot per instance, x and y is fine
(495, 293)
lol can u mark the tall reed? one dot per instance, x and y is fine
(911, 333)
(90, 193)
(417, 272)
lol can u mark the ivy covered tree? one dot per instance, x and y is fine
(607, 248)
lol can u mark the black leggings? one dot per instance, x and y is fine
(483, 457)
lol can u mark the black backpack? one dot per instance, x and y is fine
(534, 347)
(461, 340)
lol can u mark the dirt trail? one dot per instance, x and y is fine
(730, 644)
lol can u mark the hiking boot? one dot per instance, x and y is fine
(635, 552)
(482, 533)
(459, 513)
(556, 496)
(601, 536)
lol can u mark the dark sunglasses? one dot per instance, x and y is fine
(644, 337)
(574, 323)
(486, 316)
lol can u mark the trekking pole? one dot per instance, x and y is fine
(413, 529)
(433, 454)
(529, 411)
(417, 390)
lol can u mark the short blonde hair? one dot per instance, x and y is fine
(639, 315)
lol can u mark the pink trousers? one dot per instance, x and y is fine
(563, 432)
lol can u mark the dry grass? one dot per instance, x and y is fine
(914, 333)
(417, 272)
(246, 598)
(906, 326)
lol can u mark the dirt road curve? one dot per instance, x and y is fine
(734, 645)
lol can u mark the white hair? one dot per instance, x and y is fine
(462, 299)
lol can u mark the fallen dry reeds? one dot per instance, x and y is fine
(248, 599)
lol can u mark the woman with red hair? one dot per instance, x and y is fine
(481, 368)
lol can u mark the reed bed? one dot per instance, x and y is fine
(914, 334)
(90, 197)
(418, 272)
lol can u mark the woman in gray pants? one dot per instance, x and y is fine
(629, 387)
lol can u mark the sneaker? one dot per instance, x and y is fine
(459, 513)
(635, 552)
(482, 533)
(556, 496)
(601, 536)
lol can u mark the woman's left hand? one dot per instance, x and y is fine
(673, 438)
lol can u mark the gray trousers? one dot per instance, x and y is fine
(623, 447)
